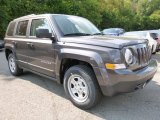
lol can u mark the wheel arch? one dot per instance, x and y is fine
(70, 57)
(9, 48)
(66, 63)
(7, 52)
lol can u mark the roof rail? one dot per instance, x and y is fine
(29, 15)
(26, 16)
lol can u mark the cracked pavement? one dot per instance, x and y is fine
(32, 97)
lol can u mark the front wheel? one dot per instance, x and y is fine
(154, 53)
(81, 86)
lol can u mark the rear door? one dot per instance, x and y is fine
(41, 51)
(19, 40)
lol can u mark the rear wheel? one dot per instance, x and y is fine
(81, 87)
(13, 67)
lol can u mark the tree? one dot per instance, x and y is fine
(128, 14)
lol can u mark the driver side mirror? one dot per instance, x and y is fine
(43, 33)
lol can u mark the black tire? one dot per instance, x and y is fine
(17, 71)
(94, 93)
(154, 53)
(158, 48)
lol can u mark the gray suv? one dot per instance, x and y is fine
(72, 51)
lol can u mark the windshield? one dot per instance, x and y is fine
(110, 31)
(73, 25)
(113, 30)
(136, 34)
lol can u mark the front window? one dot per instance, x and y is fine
(73, 25)
(38, 23)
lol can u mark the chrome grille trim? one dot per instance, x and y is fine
(143, 55)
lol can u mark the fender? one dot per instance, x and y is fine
(90, 57)
(10, 47)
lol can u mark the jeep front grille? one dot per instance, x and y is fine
(143, 55)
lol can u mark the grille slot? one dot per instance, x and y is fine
(143, 55)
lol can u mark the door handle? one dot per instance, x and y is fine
(14, 43)
(31, 45)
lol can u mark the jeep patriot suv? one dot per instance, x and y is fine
(72, 51)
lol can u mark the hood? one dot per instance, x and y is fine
(104, 41)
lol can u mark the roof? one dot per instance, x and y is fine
(30, 16)
(34, 15)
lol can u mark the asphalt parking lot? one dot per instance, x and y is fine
(31, 97)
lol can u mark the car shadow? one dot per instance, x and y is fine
(45, 83)
(121, 106)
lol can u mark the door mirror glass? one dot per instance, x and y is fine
(43, 33)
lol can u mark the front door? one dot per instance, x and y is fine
(41, 50)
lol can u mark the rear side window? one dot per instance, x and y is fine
(22, 28)
(11, 28)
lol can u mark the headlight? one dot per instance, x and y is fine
(129, 58)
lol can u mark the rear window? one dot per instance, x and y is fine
(22, 28)
(11, 28)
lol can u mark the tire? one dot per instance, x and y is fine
(13, 67)
(158, 48)
(81, 86)
(154, 53)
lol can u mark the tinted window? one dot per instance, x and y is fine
(39, 23)
(11, 29)
(22, 28)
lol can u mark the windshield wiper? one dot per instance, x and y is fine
(98, 33)
(77, 34)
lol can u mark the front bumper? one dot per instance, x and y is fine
(121, 81)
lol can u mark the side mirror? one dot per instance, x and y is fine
(43, 33)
